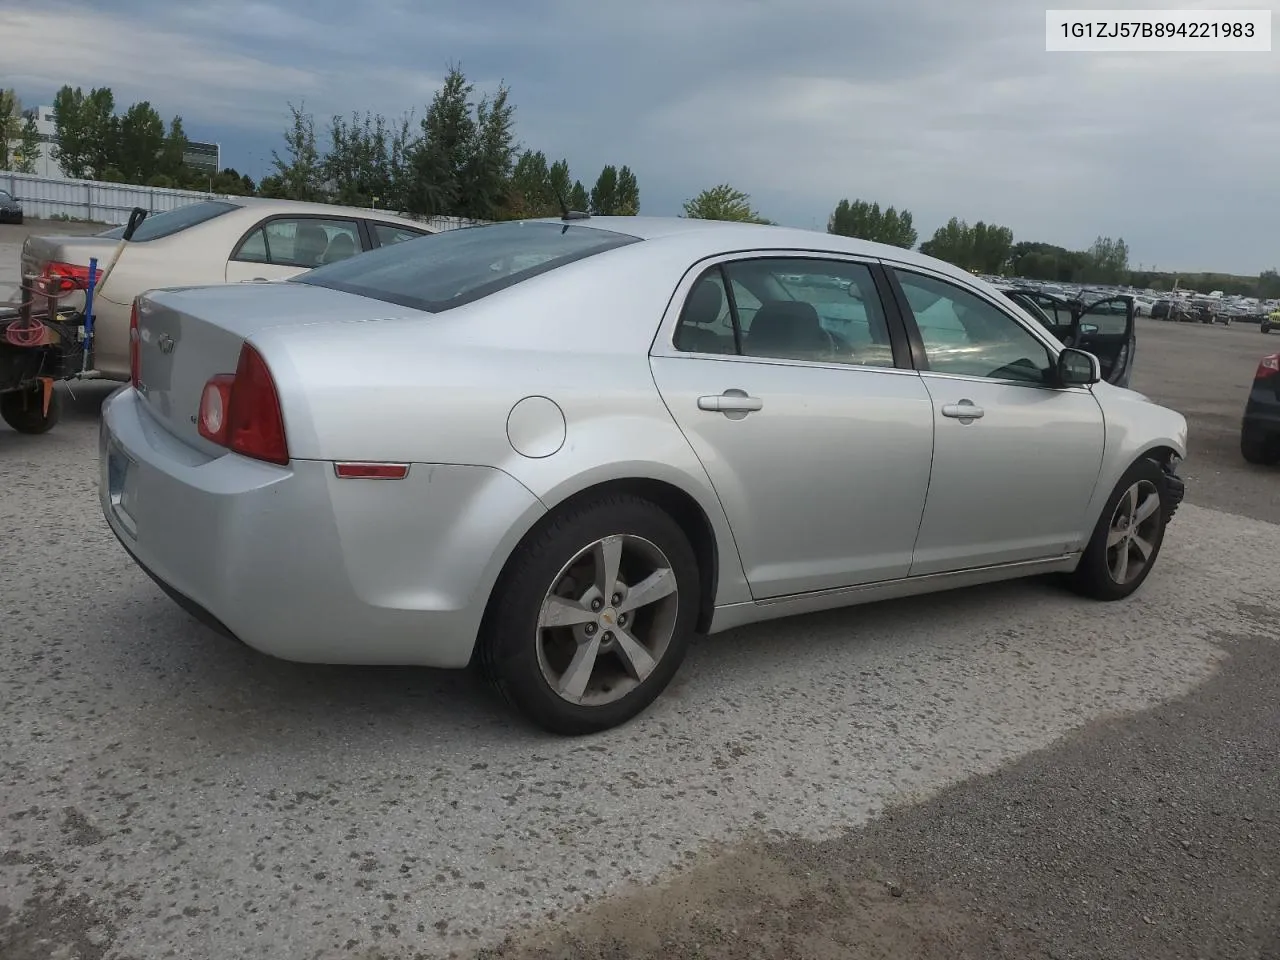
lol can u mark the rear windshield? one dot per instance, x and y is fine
(448, 269)
(166, 224)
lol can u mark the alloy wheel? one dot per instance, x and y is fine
(1131, 537)
(607, 620)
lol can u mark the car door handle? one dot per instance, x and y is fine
(964, 410)
(731, 401)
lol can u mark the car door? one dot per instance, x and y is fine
(792, 383)
(1107, 329)
(1053, 313)
(284, 246)
(1015, 458)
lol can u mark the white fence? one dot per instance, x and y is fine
(47, 198)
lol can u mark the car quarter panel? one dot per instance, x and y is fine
(445, 389)
(303, 566)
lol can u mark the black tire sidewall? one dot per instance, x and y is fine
(509, 635)
(1093, 575)
(21, 411)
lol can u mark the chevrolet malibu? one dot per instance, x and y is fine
(559, 449)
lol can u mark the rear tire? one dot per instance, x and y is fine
(1260, 448)
(614, 644)
(23, 410)
(1266, 327)
(1121, 553)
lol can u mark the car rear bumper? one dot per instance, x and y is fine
(301, 565)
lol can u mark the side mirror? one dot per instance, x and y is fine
(1077, 368)
(1088, 328)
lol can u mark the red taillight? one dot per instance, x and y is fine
(135, 356)
(1269, 367)
(242, 412)
(62, 278)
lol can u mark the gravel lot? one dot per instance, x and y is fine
(1023, 765)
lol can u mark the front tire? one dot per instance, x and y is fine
(1128, 536)
(1266, 327)
(24, 411)
(593, 615)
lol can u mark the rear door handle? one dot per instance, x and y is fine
(965, 410)
(731, 401)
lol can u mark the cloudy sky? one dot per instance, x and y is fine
(945, 107)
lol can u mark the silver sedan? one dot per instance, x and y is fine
(559, 449)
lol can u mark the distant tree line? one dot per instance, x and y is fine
(460, 159)
(96, 143)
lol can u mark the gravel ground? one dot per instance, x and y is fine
(163, 792)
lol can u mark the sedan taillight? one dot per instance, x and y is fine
(1269, 367)
(242, 412)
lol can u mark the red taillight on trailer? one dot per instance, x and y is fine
(242, 411)
(135, 356)
(1269, 367)
(61, 278)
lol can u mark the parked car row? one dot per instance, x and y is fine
(10, 208)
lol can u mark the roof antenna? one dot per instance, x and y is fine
(565, 212)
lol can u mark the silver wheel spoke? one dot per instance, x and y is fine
(1145, 547)
(634, 656)
(1132, 497)
(561, 612)
(608, 557)
(659, 584)
(1121, 565)
(573, 683)
(1145, 509)
(1116, 536)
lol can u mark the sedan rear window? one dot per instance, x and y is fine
(448, 269)
(166, 224)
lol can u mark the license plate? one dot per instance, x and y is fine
(122, 487)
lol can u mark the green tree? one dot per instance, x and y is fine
(28, 151)
(1108, 260)
(10, 125)
(628, 193)
(72, 150)
(486, 174)
(578, 197)
(952, 242)
(142, 140)
(174, 150)
(1269, 284)
(533, 190)
(868, 222)
(722, 202)
(441, 155)
(992, 248)
(604, 195)
(300, 172)
(101, 130)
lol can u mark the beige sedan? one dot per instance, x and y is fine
(219, 240)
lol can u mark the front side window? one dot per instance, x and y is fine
(825, 311)
(963, 334)
(453, 267)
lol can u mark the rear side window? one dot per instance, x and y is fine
(445, 270)
(389, 235)
(166, 224)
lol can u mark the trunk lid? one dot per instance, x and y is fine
(188, 335)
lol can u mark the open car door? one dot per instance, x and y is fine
(1106, 329)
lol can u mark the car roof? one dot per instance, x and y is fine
(723, 236)
(268, 205)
